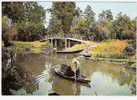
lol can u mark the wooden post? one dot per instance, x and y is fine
(55, 43)
(65, 43)
(49, 40)
(52, 43)
(69, 42)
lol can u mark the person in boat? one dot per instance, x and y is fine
(76, 67)
(73, 70)
(67, 70)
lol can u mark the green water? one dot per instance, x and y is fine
(106, 78)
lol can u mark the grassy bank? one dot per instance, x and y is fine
(34, 47)
(81, 46)
(112, 50)
(115, 60)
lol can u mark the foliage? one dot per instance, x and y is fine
(14, 76)
(62, 15)
(124, 27)
(27, 17)
(82, 24)
(5, 24)
(101, 31)
(14, 10)
(107, 49)
(89, 15)
(29, 30)
(81, 27)
(8, 31)
(112, 48)
(130, 50)
(103, 26)
(54, 26)
(33, 47)
(5, 28)
(106, 15)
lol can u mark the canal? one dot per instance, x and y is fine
(106, 78)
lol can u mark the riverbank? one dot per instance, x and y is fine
(112, 60)
(27, 66)
(32, 47)
(14, 76)
(94, 70)
(111, 50)
(106, 49)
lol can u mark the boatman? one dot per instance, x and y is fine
(76, 67)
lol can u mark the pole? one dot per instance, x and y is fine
(65, 43)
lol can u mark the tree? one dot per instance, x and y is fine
(34, 12)
(89, 15)
(5, 29)
(27, 17)
(103, 26)
(77, 17)
(13, 10)
(33, 22)
(81, 26)
(29, 31)
(5, 24)
(62, 14)
(101, 31)
(8, 32)
(106, 15)
(124, 27)
(54, 26)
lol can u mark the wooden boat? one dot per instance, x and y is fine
(77, 51)
(81, 78)
(86, 55)
(50, 94)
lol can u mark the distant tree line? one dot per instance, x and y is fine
(27, 21)
(67, 19)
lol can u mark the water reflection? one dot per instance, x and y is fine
(104, 84)
(106, 78)
(67, 88)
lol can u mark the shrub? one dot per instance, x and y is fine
(113, 49)
(34, 47)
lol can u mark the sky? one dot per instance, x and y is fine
(128, 8)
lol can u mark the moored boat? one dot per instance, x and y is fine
(76, 51)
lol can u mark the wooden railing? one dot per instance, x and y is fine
(64, 36)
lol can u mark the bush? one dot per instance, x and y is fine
(5, 23)
(110, 49)
(33, 47)
(29, 31)
(130, 50)
(14, 76)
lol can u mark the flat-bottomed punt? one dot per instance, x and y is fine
(80, 79)
(76, 51)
